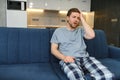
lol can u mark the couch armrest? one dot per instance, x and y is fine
(114, 52)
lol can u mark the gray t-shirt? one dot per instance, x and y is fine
(70, 43)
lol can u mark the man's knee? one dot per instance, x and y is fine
(75, 75)
(107, 76)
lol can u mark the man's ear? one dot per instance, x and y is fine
(67, 18)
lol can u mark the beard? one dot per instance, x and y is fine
(73, 26)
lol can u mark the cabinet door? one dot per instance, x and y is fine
(36, 4)
(83, 5)
(52, 4)
(16, 18)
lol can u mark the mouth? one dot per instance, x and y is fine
(75, 23)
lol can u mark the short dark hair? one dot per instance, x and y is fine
(73, 10)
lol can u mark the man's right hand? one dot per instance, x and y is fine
(68, 59)
(59, 55)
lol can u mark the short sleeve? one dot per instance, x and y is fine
(54, 38)
(82, 31)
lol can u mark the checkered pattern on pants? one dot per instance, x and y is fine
(75, 71)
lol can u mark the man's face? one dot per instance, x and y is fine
(74, 20)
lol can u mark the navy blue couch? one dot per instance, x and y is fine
(25, 54)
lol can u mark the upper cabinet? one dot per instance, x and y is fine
(83, 5)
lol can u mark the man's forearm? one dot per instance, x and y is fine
(89, 32)
(57, 54)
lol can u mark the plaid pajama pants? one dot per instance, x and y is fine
(75, 71)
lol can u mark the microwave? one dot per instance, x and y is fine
(16, 5)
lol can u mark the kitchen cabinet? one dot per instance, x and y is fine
(83, 5)
(13, 13)
(16, 18)
(16, 14)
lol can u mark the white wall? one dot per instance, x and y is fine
(3, 13)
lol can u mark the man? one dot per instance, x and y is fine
(67, 44)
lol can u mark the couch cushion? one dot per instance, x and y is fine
(59, 72)
(53, 58)
(42, 71)
(24, 45)
(113, 65)
(97, 47)
(34, 45)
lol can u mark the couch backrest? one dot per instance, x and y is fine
(96, 47)
(23, 45)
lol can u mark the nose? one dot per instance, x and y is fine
(77, 20)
